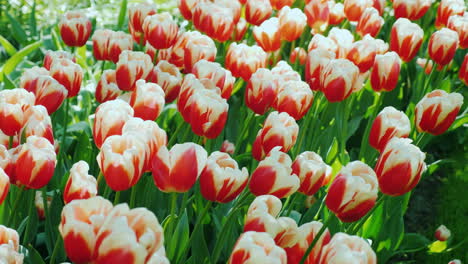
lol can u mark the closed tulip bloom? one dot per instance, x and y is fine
(37, 123)
(399, 166)
(132, 66)
(353, 9)
(311, 170)
(257, 247)
(69, 74)
(226, 147)
(177, 170)
(442, 233)
(463, 72)
(262, 215)
(287, 232)
(215, 20)
(267, 35)
(198, 48)
(369, 23)
(280, 4)
(338, 79)
(239, 30)
(406, 38)
(110, 119)
(257, 11)
(6, 162)
(213, 71)
(5, 185)
(448, 8)
(294, 98)
(160, 30)
(119, 42)
(436, 111)
(222, 180)
(189, 85)
(385, 72)
(80, 222)
(147, 100)
(274, 176)
(243, 60)
(460, 25)
(388, 124)
(362, 53)
(442, 46)
(80, 185)
(412, 10)
(37, 158)
(168, 77)
(136, 17)
(75, 28)
(306, 233)
(317, 60)
(317, 12)
(455, 261)
(30, 76)
(186, 7)
(353, 192)
(343, 39)
(101, 38)
(319, 41)
(279, 129)
(49, 93)
(178, 50)
(39, 204)
(233, 5)
(292, 23)
(284, 72)
(298, 55)
(345, 248)
(13, 104)
(336, 13)
(51, 55)
(107, 88)
(260, 92)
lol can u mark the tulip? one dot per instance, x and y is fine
(287, 232)
(388, 124)
(186, 7)
(67, 73)
(51, 55)
(80, 222)
(243, 60)
(158, 55)
(215, 20)
(108, 44)
(317, 12)
(159, 257)
(283, 72)
(343, 41)
(5, 184)
(369, 23)
(412, 10)
(6, 163)
(436, 111)
(262, 213)
(279, 129)
(37, 158)
(39, 204)
(317, 60)
(379, 5)
(222, 180)
(336, 13)
(280, 4)
(338, 79)
(406, 39)
(10, 167)
(311, 170)
(189, 85)
(460, 25)
(9, 236)
(50, 93)
(80, 185)
(160, 30)
(442, 233)
(101, 38)
(257, 11)
(257, 247)
(455, 261)
(448, 8)
(239, 30)
(385, 72)
(298, 55)
(10, 255)
(168, 77)
(29, 78)
(132, 66)
(226, 147)
(274, 176)
(353, 192)
(306, 233)
(147, 100)
(213, 71)
(351, 249)
(260, 91)
(362, 53)
(353, 9)
(13, 104)
(442, 46)
(292, 23)
(294, 98)
(234, 6)
(178, 50)
(136, 17)
(37, 123)
(267, 35)
(178, 169)
(198, 48)
(107, 89)
(463, 72)
(75, 28)
(110, 118)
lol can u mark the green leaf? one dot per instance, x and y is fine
(332, 151)
(179, 238)
(17, 31)
(34, 256)
(32, 20)
(9, 48)
(122, 13)
(199, 247)
(12, 62)
(414, 241)
(460, 121)
(8, 82)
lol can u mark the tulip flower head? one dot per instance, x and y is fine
(260, 91)
(243, 60)
(351, 248)
(388, 124)
(13, 104)
(406, 38)
(317, 12)
(311, 170)
(442, 233)
(131, 67)
(257, 11)
(214, 19)
(198, 48)
(37, 123)
(338, 79)
(160, 30)
(442, 46)
(298, 55)
(412, 10)
(80, 185)
(147, 100)
(213, 71)
(107, 88)
(460, 25)
(267, 35)
(67, 73)
(136, 17)
(257, 247)
(448, 8)
(354, 9)
(369, 23)
(292, 23)
(385, 72)
(51, 55)
(295, 98)
(336, 13)
(75, 28)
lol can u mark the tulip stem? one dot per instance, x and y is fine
(361, 222)
(246, 126)
(428, 80)
(419, 140)
(64, 132)
(223, 233)
(294, 196)
(31, 207)
(133, 196)
(172, 213)
(10, 142)
(117, 197)
(53, 257)
(176, 132)
(13, 210)
(316, 239)
(365, 139)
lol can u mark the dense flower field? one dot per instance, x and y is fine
(227, 131)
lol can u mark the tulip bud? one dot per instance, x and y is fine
(147, 100)
(369, 23)
(260, 91)
(101, 38)
(108, 44)
(352, 249)
(110, 118)
(257, 11)
(6, 163)
(455, 261)
(226, 147)
(317, 59)
(49, 93)
(79, 185)
(436, 111)
(388, 124)
(279, 129)
(67, 73)
(13, 104)
(317, 12)
(222, 180)
(131, 67)
(336, 13)
(256, 247)
(107, 89)
(338, 79)
(406, 39)
(30, 76)
(213, 71)
(311, 170)
(267, 35)
(298, 55)
(460, 25)
(239, 30)
(385, 72)
(343, 41)
(136, 17)
(168, 77)
(292, 23)
(9, 236)
(463, 72)
(412, 10)
(39, 203)
(80, 222)
(51, 56)
(294, 98)
(189, 85)
(178, 50)
(306, 233)
(37, 123)
(160, 30)
(353, 192)
(274, 176)
(353, 9)
(38, 160)
(177, 170)
(442, 233)
(215, 20)
(198, 48)
(448, 8)
(5, 183)
(362, 53)
(262, 213)
(442, 46)
(243, 60)
(75, 28)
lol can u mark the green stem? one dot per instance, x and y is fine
(133, 196)
(173, 212)
(10, 142)
(361, 222)
(117, 197)
(174, 135)
(46, 214)
(365, 139)
(53, 257)
(246, 126)
(64, 132)
(294, 197)
(302, 133)
(428, 80)
(30, 212)
(224, 233)
(316, 239)
(15, 205)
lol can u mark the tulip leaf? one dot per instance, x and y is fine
(12, 62)
(414, 242)
(122, 13)
(332, 152)
(17, 31)
(33, 256)
(199, 248)
(8, 83)
(32, 20)
(179, 238)
(9, 48)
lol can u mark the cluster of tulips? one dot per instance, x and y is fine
(333, 52)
